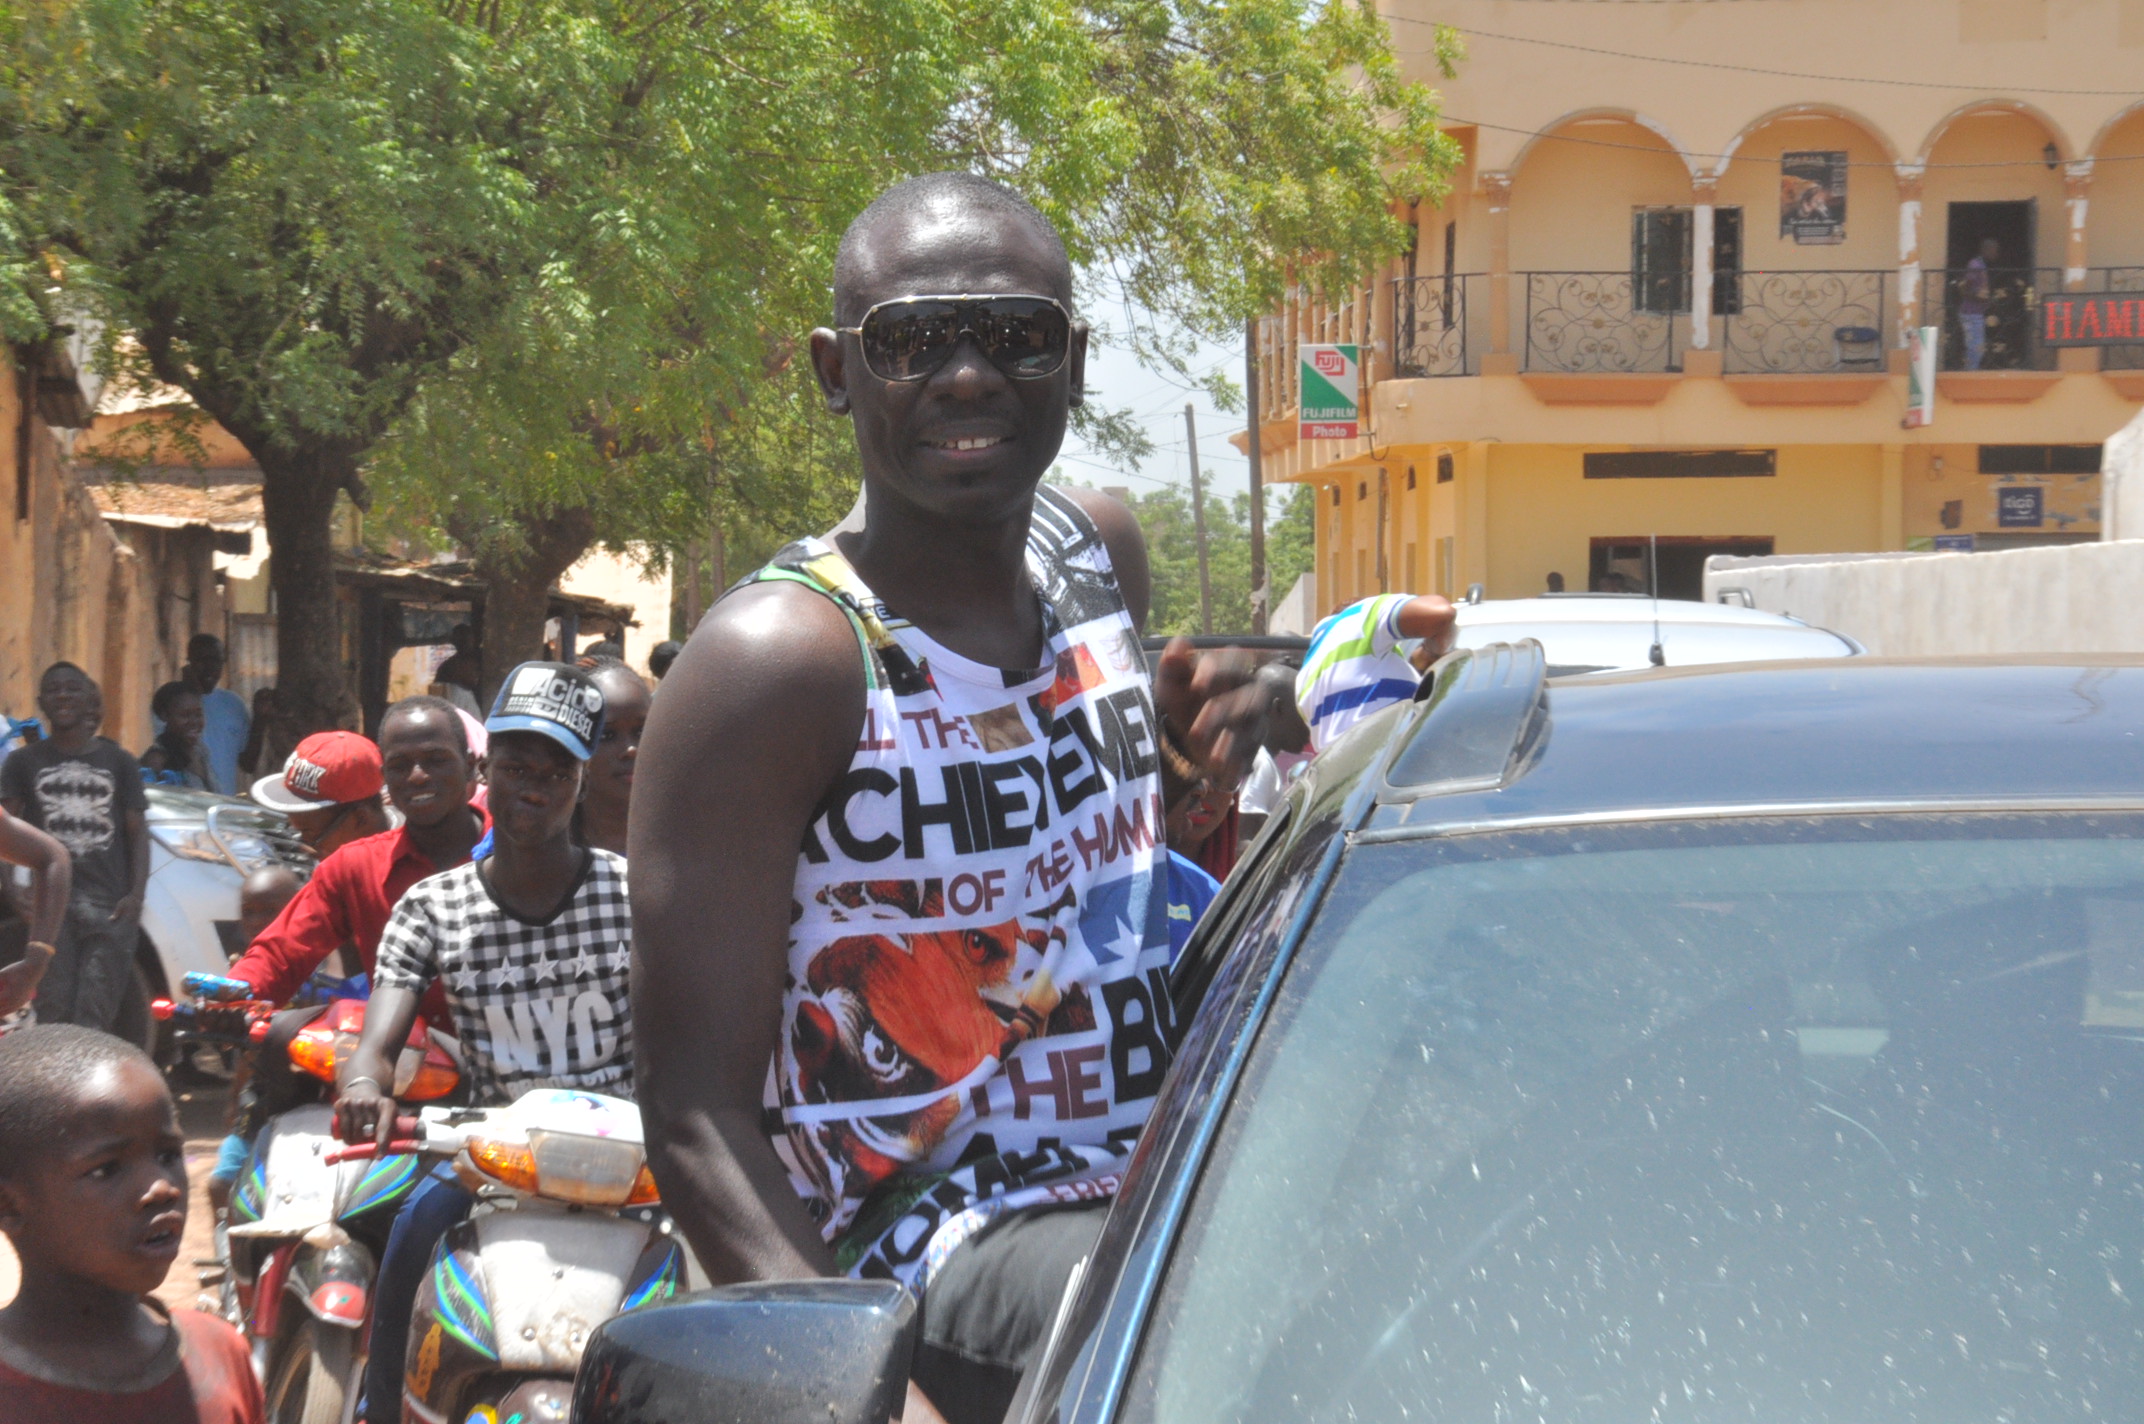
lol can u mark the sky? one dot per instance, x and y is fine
(1116, 381)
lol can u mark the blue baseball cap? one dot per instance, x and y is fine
(555, 700)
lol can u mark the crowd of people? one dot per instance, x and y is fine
(917, 838)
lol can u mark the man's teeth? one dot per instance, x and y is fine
(982, 442)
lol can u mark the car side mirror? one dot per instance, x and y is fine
(771, 1352)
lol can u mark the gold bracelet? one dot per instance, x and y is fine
(1172, 756)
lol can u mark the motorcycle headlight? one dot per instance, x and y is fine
(593, 1171)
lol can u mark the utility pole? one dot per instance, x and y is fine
(1259, 599)
(1198, 521)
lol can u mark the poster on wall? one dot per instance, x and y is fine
(1922, 344)
(1812, 197)
(1331, 390)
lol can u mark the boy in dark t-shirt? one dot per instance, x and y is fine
(85, 792)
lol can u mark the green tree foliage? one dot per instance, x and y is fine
(544, 266)
(1172, 554)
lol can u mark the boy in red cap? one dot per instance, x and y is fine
(330, 789)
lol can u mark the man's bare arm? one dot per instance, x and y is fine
(756, 722)
(51, 870)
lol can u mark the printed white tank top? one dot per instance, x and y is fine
(976, 1015)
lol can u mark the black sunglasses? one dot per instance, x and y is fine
(908, 338)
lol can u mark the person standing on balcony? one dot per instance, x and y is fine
(1973, 302)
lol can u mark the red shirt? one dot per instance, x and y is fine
(347, 901)
(208, 1380)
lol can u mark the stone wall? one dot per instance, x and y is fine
(2079, 598)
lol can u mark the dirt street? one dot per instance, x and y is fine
(201, 1108)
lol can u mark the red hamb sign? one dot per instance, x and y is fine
(2091, 318)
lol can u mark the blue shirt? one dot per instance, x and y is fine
(225, 737)
(1191, 890)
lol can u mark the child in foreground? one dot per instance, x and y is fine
(93, 1196)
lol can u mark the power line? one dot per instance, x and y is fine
(1754, 69)
(1455, 120)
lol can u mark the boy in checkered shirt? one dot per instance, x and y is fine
(531, 945)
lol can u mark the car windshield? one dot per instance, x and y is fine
(1781, 1120)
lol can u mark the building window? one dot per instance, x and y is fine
(1362, 489)
(1444, 467)
(1410, 477)
(2039, 459)
(1336, 496)
(1451, 258)
(1679, 464)
(1660, 261)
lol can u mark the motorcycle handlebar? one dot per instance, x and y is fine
(241, 1018)
(400, 1147)
(406, 1126)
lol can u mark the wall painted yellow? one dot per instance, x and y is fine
(2023, 101)
(1544, 514)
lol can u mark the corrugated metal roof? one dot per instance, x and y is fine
(177, 497)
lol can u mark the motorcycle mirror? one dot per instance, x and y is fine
(771, 1352)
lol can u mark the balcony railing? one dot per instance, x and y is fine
(1991, 327)
(1429, 324)
(1590, 322)
(1807, 323)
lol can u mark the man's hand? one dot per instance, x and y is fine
(18, 982)
(1213, 706)
(1434, 621)
(365, 1114)
(128, 910)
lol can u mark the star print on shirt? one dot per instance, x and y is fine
(1116, 921)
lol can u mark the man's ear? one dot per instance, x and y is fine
(830, 364)
(1076, 361)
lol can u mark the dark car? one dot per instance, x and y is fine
(1757, 1043)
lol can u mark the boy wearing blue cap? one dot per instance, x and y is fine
(531, 945)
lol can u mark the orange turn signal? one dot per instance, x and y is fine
(435, 1079)
(314, 1053)
(505, 1162)
(644, 1192)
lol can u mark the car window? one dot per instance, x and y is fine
(1825, 1119)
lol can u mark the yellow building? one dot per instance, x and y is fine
(1670, 291)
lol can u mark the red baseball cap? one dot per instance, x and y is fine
(327, 769)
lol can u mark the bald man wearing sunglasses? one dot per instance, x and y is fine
(899, 895)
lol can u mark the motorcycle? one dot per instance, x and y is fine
(566, 1233)
(304, 1231)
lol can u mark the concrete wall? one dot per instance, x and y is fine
(2079, 599)
(618, 578)
(1544, 514)
(72, 588)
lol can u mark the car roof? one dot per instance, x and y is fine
(1834, 734)
(1616, 608)
(1596, 632)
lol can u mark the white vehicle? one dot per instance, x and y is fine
(201, 849)
(1616, 632)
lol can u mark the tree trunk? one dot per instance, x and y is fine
(298, 506)
(517, 589)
